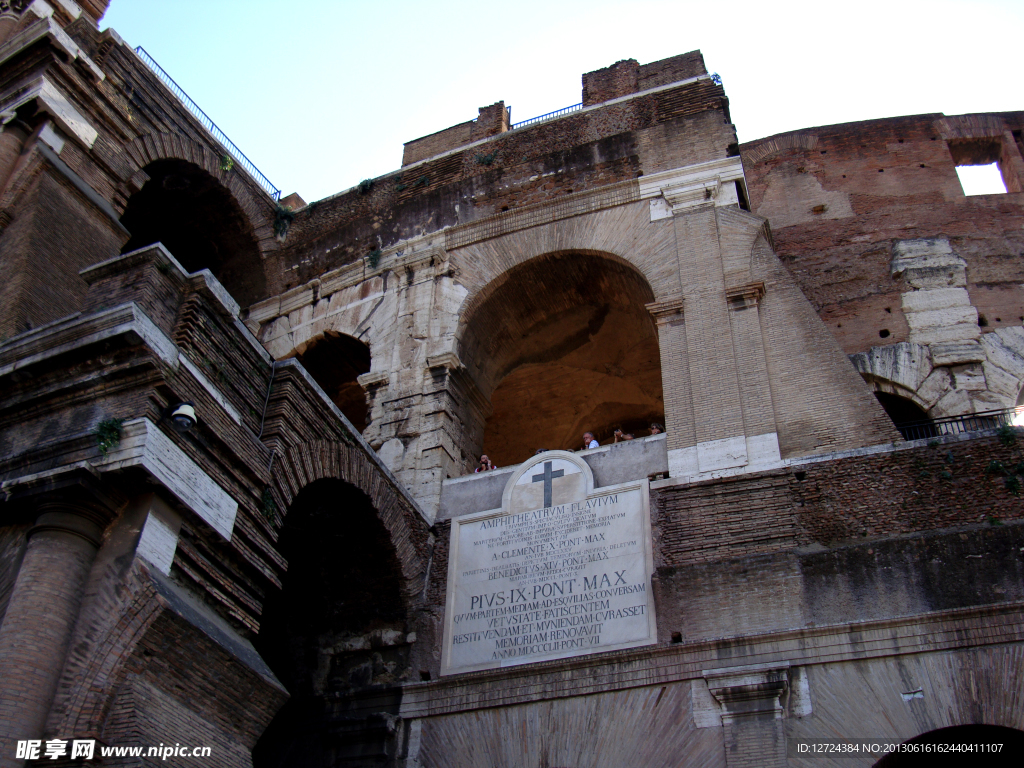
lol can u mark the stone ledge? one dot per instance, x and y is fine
(854, 641)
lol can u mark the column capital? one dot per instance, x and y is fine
(665, 310)
(75, 502)
(745, 296)
(749, 691)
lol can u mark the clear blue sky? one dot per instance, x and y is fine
(322, 93)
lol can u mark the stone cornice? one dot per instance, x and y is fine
(693, 185)
(747, 295)
(142, 445)
(665, 309)
(933, 632)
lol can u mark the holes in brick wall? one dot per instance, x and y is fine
(884, 333)
(424, 676)
(677, 637)
(888, 310)
(881, 170)
(982, 321)
(800, 475)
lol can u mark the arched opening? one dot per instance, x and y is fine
(908, 417)
(200, 223)
(336, 632)
(994, 746)
(335, 361)
(561, 345)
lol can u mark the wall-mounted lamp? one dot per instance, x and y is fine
(183, 416)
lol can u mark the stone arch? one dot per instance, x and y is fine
(624, 233)
(897, 369)
(340, 626)
(777, 144)
(230, 204)
(562, 342)
(299, 466)
(151, 147)
(335, 361)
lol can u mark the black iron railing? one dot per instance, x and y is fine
(209, 125)
(954, 425)
(548, 116)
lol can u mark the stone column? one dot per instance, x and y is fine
(42, 611)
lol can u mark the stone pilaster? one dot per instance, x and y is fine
(752, 365)
(679, 424)
(43, 608)
(752, 710)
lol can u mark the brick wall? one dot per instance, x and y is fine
(539, 163)
(827, 503)
(838, 197)
(620, 79)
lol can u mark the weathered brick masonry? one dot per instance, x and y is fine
(271, 581)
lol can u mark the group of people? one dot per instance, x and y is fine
(589, 442)
(618, 436)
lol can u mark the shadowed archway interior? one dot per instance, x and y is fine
(335, 361)
(560, 345)
(199, 222)
(336, 631)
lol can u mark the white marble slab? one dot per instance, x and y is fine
(530, 582)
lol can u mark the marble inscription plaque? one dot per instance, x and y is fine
(561, 570)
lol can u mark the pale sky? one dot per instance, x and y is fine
(321, 94)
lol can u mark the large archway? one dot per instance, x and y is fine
(335, 361)
(336, 632)
(559, 345)
(196, 218)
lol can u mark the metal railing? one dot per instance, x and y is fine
(548, 116)
(954, 425)
(209, 125)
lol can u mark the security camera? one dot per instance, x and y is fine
(183, 416)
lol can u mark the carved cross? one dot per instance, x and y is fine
(546, 478)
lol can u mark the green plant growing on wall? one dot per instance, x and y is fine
(373, 257)
(365, 186)
(283, 218)
(227, 162)
(267, 505)
(108, 434)
(1007, 435)
(487, 159)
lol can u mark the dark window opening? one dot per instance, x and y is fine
(200, 223)
(335, 361)
(908, 417)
